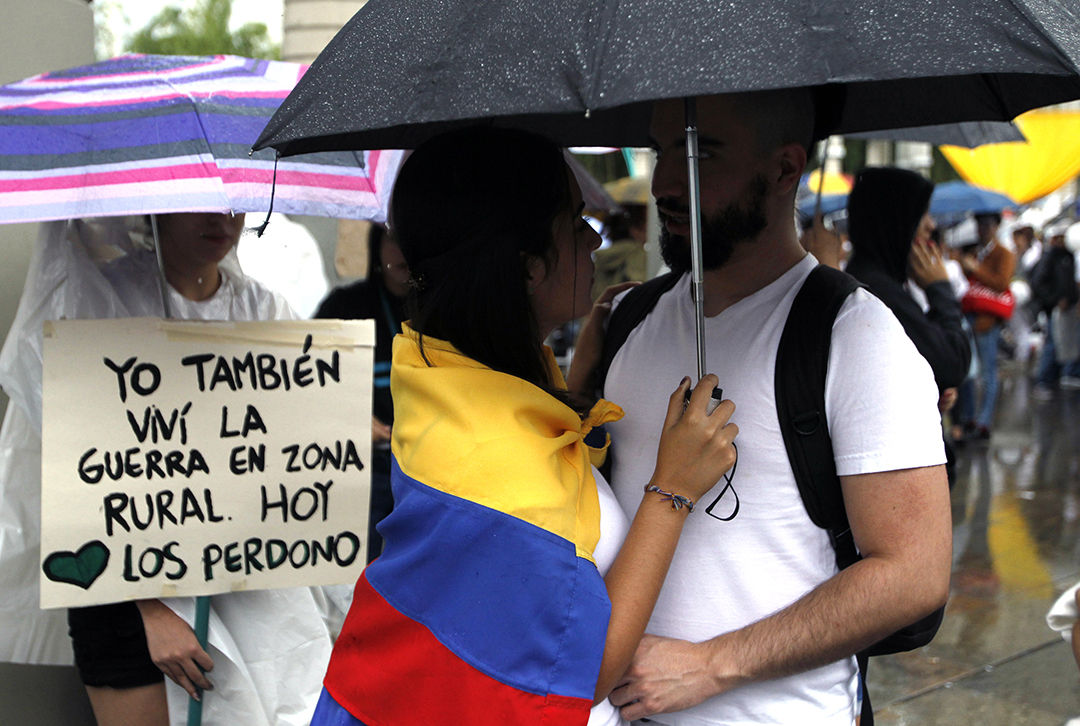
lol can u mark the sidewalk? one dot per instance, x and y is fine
(1016, 520)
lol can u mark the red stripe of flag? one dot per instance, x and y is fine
(379, 644)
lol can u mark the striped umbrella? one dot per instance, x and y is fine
(145, 134)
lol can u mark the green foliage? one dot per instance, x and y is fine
(202, 30)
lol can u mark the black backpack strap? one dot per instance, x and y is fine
(802, 361)
(634, 306)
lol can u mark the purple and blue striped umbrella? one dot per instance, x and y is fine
(145, 134)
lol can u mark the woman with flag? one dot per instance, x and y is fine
(487, 605)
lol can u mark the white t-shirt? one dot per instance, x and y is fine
(614, 525)
(882, 413)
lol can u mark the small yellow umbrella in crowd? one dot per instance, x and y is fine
(834, 182)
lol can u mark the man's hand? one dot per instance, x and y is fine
(926, 263)
(947, 400)
(590, 342)
(174, 647)
(380, 432)
(825, 245)
(667, 675)
(901, 523)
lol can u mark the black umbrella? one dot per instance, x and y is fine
(403, 69)
(583, 71)
(968, 134)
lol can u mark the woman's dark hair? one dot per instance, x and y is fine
(468, 209)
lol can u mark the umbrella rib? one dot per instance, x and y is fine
(202, 127)
(610, 10)
(998, 94)
(1041, 28)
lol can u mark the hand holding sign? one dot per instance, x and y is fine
(175, 649)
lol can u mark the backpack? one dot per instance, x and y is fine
(802, 361)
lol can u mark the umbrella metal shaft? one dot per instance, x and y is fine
(821, 176)
(202, 603)
(697, 275)
(161, 267)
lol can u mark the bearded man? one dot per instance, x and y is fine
(755, 624)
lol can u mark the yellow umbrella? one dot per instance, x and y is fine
(835, 183)
(1025, 171)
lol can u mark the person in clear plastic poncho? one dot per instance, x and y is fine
(268, 649)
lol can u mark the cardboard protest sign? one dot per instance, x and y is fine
(193, 458)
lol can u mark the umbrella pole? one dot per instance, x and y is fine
(202, 624)
(697, 275)
(202, 603)
(821, 175)
(161, 267)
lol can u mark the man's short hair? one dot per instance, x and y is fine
(781, 116)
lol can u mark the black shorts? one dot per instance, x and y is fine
(110, 646)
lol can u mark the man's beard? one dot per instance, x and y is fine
(740, 221)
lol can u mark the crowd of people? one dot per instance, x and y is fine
(614, 545)
(1017, 284)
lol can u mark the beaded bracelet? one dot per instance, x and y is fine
(678, 501)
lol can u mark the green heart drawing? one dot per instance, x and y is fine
(78, 568)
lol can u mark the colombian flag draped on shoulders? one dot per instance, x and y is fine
(485, 606)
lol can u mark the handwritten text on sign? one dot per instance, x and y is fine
(192, 458)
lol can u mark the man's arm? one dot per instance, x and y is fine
(902, 525)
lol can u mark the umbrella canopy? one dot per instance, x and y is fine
(830, 204)
(968, 134)
(833, 183)
(578, 70)
(1025, 172)
(959, 198)
(142, 134)
(596, 197)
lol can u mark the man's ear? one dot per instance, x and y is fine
(790, 163)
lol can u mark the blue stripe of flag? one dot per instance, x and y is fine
(509, 598)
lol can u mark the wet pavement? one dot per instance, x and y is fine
(1016, 519)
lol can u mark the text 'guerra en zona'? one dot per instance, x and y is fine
(135, 462)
